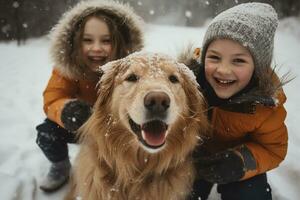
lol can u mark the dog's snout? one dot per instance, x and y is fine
(157, 102)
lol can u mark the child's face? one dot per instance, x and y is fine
(228, 67)
(96, 43)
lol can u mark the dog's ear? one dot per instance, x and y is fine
(196, 100)
(197, 104)
(190, 55)
(106, 83)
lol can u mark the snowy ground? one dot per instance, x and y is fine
(24, 72)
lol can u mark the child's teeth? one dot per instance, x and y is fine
(223, 81)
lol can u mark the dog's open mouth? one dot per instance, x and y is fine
(152, 133)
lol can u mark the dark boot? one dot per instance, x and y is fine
(57, 176)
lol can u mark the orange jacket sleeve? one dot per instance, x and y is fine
(58, 91)
(270, 140)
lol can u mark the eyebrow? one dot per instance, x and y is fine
(213, 51)
(240, 54)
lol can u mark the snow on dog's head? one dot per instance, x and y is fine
(149, 101)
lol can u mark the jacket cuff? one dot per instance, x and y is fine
(250, 165)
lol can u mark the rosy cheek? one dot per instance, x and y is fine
(84, 49)
(209, 69)
(247, 78)
(108, 49)
(244, 75)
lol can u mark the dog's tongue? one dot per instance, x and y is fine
(154, 133)
(153, 139)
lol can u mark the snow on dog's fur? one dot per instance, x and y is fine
(137, 144)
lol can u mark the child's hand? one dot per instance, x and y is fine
(75, 113)
(226, 166)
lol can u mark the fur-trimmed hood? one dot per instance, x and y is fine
(62, 33)
(266, 89)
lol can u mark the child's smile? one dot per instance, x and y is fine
(228, 67)
(97, 60)
(223, 87)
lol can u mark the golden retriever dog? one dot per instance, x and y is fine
(148, 118)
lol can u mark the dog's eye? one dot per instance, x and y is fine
(132, 78)
(173, 79)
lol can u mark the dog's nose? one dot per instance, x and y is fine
(157, 102)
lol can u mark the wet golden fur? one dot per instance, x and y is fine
(112, 164)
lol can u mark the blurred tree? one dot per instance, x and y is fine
(286, 8)
(20, 19)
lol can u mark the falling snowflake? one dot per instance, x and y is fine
(16, 4)
(151, 12)
(188, 13)
(25, 25)
(114, 190)
(139, 3)
(207, 2)
(6, 28)
(198, 137)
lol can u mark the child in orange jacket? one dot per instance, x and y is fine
(88, 36)
(245, 100)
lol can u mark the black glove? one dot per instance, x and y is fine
(226, 166)
(74, 114)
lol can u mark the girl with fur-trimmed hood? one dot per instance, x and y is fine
(89, 35)
(245, 99)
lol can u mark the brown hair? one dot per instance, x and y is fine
(119, 33)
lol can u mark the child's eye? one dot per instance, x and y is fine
(213, 57)
(239, 60)
(87, 40)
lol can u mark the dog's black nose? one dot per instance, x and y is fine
(157, 102)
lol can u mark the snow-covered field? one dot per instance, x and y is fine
(24, 72)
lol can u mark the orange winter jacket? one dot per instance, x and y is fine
(61, 90)
(254, 118)
(263, 132)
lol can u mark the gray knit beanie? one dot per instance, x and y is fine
(253, 25)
